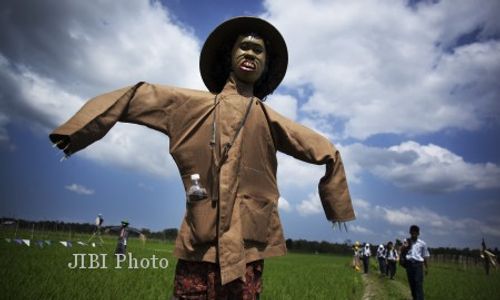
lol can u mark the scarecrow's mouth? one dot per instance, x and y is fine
(248, 65)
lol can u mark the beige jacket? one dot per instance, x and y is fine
(243, 225)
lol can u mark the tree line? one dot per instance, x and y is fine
(170, 234)
(40, 227)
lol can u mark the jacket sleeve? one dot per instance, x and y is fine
(306, 145)
(143, 104)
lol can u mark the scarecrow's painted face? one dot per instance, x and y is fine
(248, 58)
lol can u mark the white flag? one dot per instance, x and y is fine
(27, 242)
(64, 243)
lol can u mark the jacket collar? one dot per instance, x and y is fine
(233, 86)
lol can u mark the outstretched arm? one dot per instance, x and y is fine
(305, 144)
(143, 103)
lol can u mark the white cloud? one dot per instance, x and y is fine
(284, 104)
(439, 228)
(284, 205)
(312, 205)
(384, 67)
(362, 209)
(321, 126)
(295, 173)
(79, 189)
(359, 229)
(439, 224)
(79, 50)
(360, 203)
(427, 168)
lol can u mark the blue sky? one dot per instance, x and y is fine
(408, 92)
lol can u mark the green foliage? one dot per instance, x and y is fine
(309, 276)
(43, 273)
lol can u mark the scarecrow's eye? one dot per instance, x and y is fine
(258, 49)
(245, 46)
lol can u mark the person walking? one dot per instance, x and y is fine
(366, 253)
(381, 253)
(392, 258)
(416, 263)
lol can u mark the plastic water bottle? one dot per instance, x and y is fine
(196, 192)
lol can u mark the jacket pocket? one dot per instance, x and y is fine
(201, 218)
(255, 218)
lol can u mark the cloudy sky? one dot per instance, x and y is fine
(407, 90)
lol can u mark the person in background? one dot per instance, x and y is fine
(124, 230)
(356, 262)
(366, 253)
(416, 258)
(392, 257)
(381, 252)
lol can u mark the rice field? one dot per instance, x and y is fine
(43, 273)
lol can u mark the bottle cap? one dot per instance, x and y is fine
(195, 176)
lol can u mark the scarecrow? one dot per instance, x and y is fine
(123, 232)
(229, 138)
(99, 220)
(488, 258)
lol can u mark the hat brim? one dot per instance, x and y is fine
(214, 54)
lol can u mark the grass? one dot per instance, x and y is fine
(43, 273)
(309, 276)
(448, 281)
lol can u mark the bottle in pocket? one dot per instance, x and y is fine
(196, 192)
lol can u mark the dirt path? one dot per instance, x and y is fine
(370, 287)
(378, 288)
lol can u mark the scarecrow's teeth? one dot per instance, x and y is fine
(248, 64)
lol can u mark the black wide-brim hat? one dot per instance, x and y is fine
(216, 54)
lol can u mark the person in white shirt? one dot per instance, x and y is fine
(381, 259)
(366, 253)
(416, 257)
(392, 257)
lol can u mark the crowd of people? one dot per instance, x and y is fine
(387, 257)
(412, 254)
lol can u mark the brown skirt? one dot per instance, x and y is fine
(201, 280)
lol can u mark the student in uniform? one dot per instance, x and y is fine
(416, 265)
(392, 257)
(365, 255)
(381, 259)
